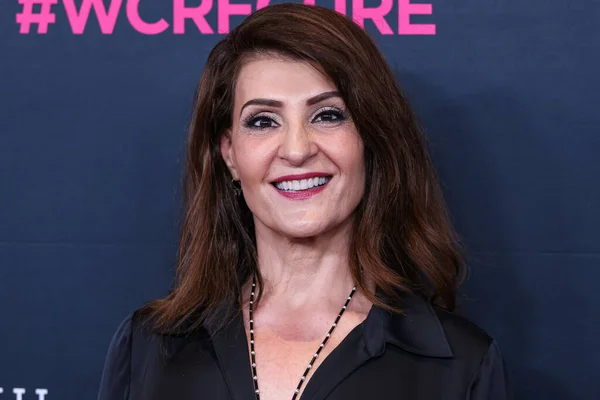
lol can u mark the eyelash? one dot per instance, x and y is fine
(339, 114)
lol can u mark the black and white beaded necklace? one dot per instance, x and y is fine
(310, 364)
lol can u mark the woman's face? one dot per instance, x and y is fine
(294, 149)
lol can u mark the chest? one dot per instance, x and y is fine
(284, 366)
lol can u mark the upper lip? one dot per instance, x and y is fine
(298, 177)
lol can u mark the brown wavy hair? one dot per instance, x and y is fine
(402, 240)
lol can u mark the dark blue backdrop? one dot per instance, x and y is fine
(92, 132)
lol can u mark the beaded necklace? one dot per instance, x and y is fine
(310, 364)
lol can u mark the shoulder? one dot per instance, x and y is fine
(122, 355)
(466, 339)
(446, 344)
(116, 373)
(429, 330)
(136, 323)
(473, 346)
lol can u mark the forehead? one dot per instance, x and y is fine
(277, 78)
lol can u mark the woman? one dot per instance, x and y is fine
(316, 258)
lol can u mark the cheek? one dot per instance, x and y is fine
(358, 172)
(252, 161)
(355, 168)
(353, 160)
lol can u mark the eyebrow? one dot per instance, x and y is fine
(276, 103)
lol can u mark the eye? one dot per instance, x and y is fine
(330, 115)
(258, 122)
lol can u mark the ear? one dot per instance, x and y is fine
(227, 153)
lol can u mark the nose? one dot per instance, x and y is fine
(297, 144)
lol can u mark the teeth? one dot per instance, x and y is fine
(302, 184)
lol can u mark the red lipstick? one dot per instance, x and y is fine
(302, 194)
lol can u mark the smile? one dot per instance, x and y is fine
(302, 184)
(301, 189)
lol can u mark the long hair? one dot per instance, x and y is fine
(402, 240)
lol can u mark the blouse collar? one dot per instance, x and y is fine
(418, 330)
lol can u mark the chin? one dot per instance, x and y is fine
(304, 230)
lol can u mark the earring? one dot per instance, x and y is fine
(237, 188)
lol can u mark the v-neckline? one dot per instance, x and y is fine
(233, 355)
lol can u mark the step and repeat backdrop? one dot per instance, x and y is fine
(95, 96)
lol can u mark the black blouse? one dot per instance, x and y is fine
(428, 353)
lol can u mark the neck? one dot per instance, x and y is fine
(308, 272)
